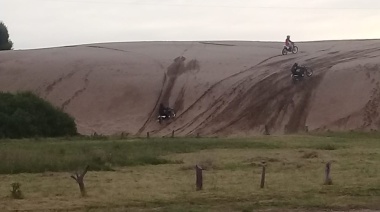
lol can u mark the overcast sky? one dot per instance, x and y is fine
(50, 23)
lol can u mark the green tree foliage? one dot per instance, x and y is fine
(5, 42)
(25, 115)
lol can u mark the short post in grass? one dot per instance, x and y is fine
(147, 134)
(263, 175)
(328, 180)
(78, 177)
(173, 134)
(266, 130)
(199, 177)
(198, 135)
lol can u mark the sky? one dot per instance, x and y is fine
(50, 23)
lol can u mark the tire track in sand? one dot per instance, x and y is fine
(299, 115)
(176, 69)
(277, 101)
(214, 86)
(78, 92)
(225, 79)
(50, 87)
(161, 66)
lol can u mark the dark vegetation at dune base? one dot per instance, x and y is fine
(25, 115)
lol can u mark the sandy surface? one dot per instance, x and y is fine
(217, 88)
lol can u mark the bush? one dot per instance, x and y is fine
(25, 115)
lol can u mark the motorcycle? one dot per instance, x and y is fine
(304, 71)
(168, 115)
(293, 49)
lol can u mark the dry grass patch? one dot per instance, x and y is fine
(231, 180)
(312, 154)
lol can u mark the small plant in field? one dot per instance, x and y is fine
(16, 191)
(327, 147)
(312, 154)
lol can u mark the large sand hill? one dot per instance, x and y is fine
(228, 88)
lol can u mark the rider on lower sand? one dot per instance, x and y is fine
(164, 111)
(297, 70)
(288, 43)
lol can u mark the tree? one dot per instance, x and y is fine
(5, 42)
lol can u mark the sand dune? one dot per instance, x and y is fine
(228, 88)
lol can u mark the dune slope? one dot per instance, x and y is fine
(229, 88)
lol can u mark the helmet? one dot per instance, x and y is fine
(288, 36)
(295, 64)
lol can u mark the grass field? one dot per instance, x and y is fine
(158, 174)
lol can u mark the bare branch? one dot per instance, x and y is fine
(79, 179)
(85, 170)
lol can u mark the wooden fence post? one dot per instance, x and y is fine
(173, 134)
(263, 175)
(79, 178)
(328, 180)
(199, 177)
(266, 130)
(147, 134)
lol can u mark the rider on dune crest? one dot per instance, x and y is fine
(288, 43)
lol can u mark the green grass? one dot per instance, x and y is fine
(33, 156)
(158, 174)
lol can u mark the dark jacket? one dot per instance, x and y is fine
(294, 69)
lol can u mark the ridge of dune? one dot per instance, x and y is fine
(226, 88)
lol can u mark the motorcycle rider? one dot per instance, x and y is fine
(164, 111)
(297, 70)
(288, 43)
